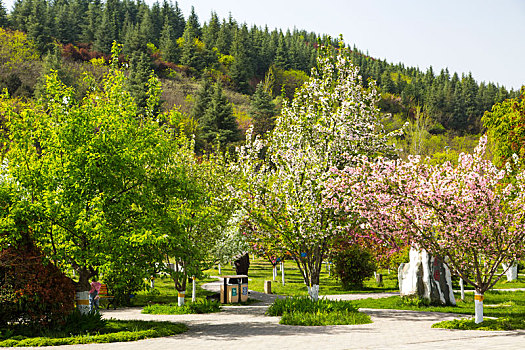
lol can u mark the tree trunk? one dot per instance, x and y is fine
(478, 304)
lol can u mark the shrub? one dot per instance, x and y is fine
(31, 291)
(307, 305)
(201, 307)
(302, 311)
(352, 265)
(500, 324)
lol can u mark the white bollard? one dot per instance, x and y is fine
(282, 271)
(193, 290)
(478, 305)
(180, 298)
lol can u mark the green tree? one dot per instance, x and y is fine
(211, 32)
(505, 127)
(241, 70)
(262, 111)
(218, 123)
(202, 99)
(138, 80)
(4, 22)
(89, 168)
(167, 44)
(193, 22)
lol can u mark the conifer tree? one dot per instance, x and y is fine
(193, 21)
(262, 111)
(241, 70)
(189, 55)
(178, 23)
(3, 16)
(167, 44)
(139, 74)
(202, 99)
(211, 32)
(281, 53)
(91, 23)
(218, 123)
(106, 33)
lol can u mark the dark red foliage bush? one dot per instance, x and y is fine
(31, 291)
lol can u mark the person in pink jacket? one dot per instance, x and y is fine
(93, 295)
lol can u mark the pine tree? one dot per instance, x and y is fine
(281, 59)
(139, 73)
(210, 34)
(218, 124)
(193, 21)
(262, 111)
(92, 22)
(178, 23)
(189, 55)
(3, 16)
(106, 33)
(241, 70)
(167, 45)
(202, 99)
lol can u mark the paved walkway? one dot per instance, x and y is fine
(247, 328)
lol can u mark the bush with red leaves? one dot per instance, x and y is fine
(32, 292)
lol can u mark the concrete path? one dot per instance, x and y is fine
(247, 328)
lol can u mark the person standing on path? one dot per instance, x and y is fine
(93, 295)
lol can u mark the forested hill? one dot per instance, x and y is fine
(237, 55)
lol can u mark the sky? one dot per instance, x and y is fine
(485, 37)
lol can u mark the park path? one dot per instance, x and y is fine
(247, 328)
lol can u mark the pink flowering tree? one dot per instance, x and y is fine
(470, 215)
(331, 118)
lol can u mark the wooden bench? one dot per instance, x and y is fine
(104, 295)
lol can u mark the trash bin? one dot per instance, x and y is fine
(234, 289)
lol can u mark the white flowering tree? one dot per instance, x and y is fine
(331, 119)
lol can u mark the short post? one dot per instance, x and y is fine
(462, 286)
(282, 271)
(268, 287)
(193, 290)
(379, 279)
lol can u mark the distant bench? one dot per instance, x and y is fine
(104, 295)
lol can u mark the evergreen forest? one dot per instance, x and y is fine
(222, 75)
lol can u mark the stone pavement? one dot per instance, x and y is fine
(247, 328)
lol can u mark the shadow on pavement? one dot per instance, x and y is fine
(251, 329)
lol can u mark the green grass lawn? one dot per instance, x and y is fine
(165, 292)
(113, 331)
(261, 270)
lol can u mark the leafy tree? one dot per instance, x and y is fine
(505, 124)
(262, 111)
(218, 123)
(331, 118)
(89, 170)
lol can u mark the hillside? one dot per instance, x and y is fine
(182, 52)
